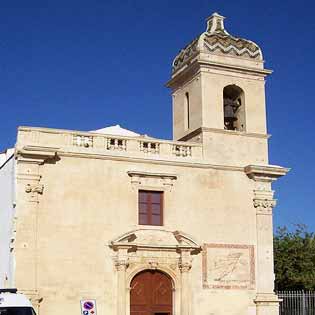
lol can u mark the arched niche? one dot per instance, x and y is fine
(234, 108)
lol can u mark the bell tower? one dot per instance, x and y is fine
(218, 90)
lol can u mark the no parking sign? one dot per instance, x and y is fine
(88, 307)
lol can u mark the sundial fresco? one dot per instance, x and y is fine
(228, 266)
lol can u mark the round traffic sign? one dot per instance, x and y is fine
(88, 305)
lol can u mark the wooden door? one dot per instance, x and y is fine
(151, 294)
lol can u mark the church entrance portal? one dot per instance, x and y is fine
(151, 294)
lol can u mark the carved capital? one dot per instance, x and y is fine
(264, 206)
(121, 264)
(264, 202)
(184, 266)
(35, 188)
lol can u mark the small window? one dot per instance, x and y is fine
(187, 111)
(150, 207)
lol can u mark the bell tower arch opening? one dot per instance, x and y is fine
(151, 293)
(234, 108)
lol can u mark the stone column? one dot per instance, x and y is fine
(121, 265)
(185, 266)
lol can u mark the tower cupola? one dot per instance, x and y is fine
(217, 41)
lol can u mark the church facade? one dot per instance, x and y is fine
(144, 226)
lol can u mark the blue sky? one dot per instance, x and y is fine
(84, 65)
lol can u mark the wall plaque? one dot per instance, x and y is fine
(228, 266)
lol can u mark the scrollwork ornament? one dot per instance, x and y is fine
(37, 188)
(185, 266)
(121, 264)
(153, 265)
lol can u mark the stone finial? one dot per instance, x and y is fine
(215, 24)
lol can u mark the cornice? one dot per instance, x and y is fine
(173, 241)
(265, 173)
(197, 64)
(199, 130)
(239, 69)
(40, 154)
(153, 175)
(35, 154)
(196, 164)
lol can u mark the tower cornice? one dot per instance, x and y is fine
(198, 65)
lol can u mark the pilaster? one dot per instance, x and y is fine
(185, 265)
(267, 302)
(30, 189)
(121, 264)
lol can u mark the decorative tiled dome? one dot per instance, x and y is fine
(216, 40)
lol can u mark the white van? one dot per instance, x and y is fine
(13, 303)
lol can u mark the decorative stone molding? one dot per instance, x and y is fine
(34, 189)
(31, 182)
(265, 173)
(154, 249)
(263, 176)
(267, 303)
(158, 180)
(153, 264)
(266, 298)
(36, 154)
(171, 249)
(263, 201)
(264, 206)
(184, 266)
(121, 264)
(152, 239)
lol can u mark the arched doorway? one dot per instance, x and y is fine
(151, 294)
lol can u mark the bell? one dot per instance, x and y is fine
(229, 108)
(229, 114)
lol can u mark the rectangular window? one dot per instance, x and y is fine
(187, 111)
(150, 207)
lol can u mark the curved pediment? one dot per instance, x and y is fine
(155, 239)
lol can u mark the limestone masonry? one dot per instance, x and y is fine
(149, 226)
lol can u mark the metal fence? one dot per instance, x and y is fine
(297, 302)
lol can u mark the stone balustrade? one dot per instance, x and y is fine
(88, 142)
